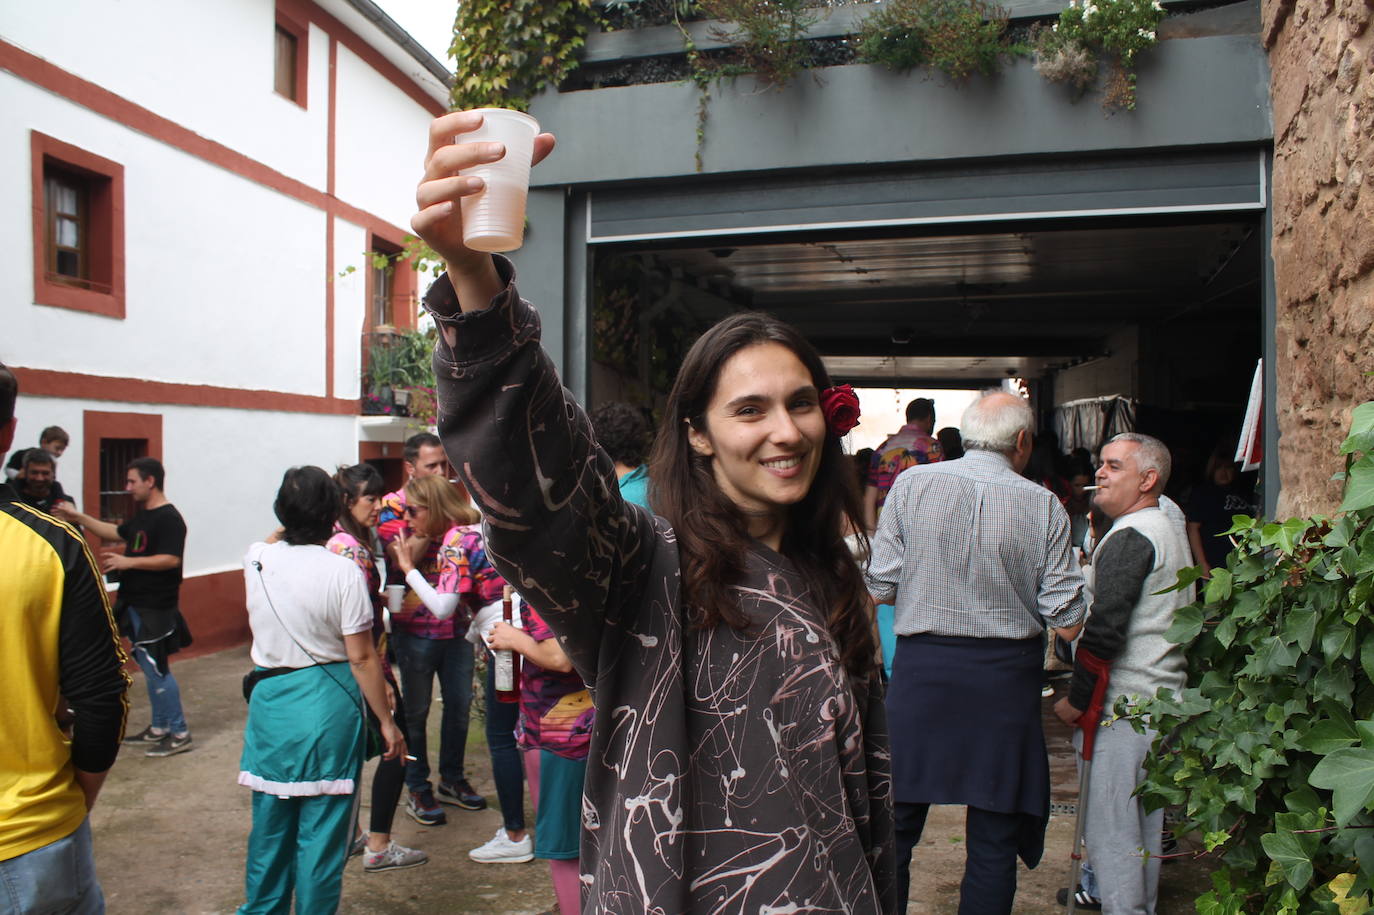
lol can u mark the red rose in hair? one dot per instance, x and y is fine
(841, 408)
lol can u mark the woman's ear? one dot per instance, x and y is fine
(699, 442)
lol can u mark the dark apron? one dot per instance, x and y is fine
(964, 714)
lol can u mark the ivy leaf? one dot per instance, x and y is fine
(1187, 623)
(1359, 487)
(1340, 887)
(1225, 632)
(1341, 532)
(1300, 626)
(1367, 656)
(1284, 849)
(1361, 436)
(1239, 524)
(1349, 774)
(1327, 736)
(1186, 576)
(1218, 587)
(1214, 840)
(1338, 642)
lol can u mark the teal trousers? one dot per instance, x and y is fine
(300, 845)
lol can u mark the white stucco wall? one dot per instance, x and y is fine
(223, 466)
(206, 65)
(211, 260)
(379, 177)
(350, 297)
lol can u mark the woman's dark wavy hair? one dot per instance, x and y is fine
(355, 482)
(713, 535)
(307, 505)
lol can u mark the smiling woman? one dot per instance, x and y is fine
(739, 757)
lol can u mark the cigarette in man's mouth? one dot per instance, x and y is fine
(1091, 488)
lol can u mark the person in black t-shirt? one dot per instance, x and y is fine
(1223, 494)
(147, 606)
(36, 484)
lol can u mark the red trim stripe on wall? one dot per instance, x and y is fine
(43, 74)
(330, 172)
(50, 383)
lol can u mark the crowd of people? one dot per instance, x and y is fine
(748, 666)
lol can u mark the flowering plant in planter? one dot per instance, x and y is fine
(424, 406)
(1120, 29)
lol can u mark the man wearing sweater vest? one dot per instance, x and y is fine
(1140, 555)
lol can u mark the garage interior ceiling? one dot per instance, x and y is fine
(958, 309)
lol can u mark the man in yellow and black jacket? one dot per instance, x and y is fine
(58, 649)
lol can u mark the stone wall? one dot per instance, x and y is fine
(1321, 56)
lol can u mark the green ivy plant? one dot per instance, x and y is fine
(957, 37)
(1119, 30)
(1269, 750)
(506, 51)
(421, 257)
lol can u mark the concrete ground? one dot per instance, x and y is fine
(170, 834)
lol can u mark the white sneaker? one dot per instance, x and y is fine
(501, 850)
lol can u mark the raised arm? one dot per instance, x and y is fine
(102, 529)
(556, 526)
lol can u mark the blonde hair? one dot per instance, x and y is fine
(447, 502)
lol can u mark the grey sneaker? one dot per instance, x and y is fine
(147, 735)
(170, 745)
(359, 845)
(393, 857)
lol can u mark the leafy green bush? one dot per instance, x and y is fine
(957, 37)
(1270, 747)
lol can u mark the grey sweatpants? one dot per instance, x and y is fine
(1123, 840)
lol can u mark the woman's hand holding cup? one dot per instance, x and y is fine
(439, 220)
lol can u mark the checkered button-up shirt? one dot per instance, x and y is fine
(972, 548)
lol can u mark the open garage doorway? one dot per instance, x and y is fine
(1161, 313)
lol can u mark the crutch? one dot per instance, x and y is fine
(1088, 721)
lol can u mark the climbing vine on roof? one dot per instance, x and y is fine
(506, 51)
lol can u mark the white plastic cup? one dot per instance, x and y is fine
(494, 217)
(395, 594)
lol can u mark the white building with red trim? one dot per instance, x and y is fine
(190, 180)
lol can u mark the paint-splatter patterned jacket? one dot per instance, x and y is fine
(730, 771)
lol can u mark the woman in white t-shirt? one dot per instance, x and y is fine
(304, 743)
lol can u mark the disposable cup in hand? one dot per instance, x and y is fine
(394, 595)
(494, 217)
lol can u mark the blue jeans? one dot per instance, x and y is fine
(163, 693)
(419, 660)
(59, 877)
(1088, 880)
(506, 768)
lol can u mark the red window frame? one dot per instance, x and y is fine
(102, 291)
(300, 30)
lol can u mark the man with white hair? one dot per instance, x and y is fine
(978, 561)
(1136, 560)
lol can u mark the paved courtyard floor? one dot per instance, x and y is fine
(170, 834)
